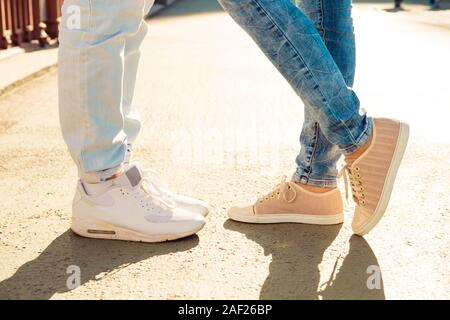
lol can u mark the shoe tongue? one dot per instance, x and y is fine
(130, 178)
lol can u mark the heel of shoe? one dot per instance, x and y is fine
(93, 229)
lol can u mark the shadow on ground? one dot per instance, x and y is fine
(394, 10)
(189, 7)
(297, 251)
(46, 275)
(444, 4)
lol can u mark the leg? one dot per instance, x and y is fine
(316, 162)
(295, 47)
(132, 53)
(97, 64)
(91, 82)
(373, 149)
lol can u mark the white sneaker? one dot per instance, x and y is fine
(132, 209)
(181, 201)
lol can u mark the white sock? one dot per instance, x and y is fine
(94, 189)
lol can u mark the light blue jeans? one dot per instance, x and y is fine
(97, 72)
(98, 60)
(311, 43)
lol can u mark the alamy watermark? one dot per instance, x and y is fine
(248, 146)
(374, 280)
(74, 278)
(73, 17)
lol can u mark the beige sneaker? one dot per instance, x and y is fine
(289, 202)
(372, 174)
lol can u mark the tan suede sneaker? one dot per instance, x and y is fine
(372, 174)
(289, 202)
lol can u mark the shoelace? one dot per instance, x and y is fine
(157, 194)
(281, 190)
(352, 176)
(153, 186)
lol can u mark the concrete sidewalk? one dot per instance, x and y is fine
(222, 125)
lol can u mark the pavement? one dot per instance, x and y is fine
(222, 125)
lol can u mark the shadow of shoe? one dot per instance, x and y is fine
(394, 10)
(359, 276)
(296, 250)
(46, 275)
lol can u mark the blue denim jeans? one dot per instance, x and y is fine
(311, 43)
(316, 162)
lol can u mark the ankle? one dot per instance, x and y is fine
(314, 188)
(356, 154)
(95, 189)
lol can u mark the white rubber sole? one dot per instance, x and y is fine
(389, 183)
(288, 218)
(101, 230)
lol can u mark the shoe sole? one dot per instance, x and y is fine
(288, 218)
(102, 230)
(389, 183)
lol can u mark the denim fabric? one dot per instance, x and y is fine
(295, 39)
(98, 61)
(316, 162)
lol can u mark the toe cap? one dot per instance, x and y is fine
(237, 213)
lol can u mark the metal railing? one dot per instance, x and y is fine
(24, 21)
(27, 20)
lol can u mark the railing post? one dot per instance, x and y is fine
(5, 24)
(17, 22)
(53, 14)
(38, 25)
(27, 20)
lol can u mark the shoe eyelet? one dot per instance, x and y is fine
(356, 168)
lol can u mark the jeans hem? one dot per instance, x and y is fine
(322, 183)
(361, 140)
(99, 176)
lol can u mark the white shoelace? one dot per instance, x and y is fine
(156, 189)
(158, 194)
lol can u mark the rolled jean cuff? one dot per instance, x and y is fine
(321, 183)
(361, 140)
(99, 176)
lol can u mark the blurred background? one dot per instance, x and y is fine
(23, 21)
